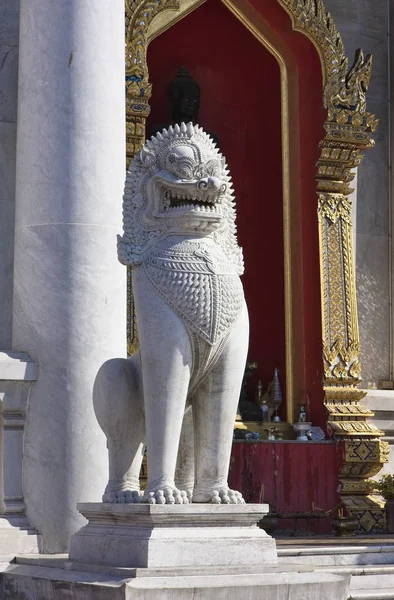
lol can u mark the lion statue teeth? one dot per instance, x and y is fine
(179, 393)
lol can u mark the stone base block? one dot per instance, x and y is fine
(155, 536)
(147, 552)
(17, 537)
(33, 579)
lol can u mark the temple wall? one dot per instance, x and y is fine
(362, 24)
(365, 24)
(9, 34)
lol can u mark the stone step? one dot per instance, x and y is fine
(359, 571)
(25, 541)
(368, 579)
(371, 566)
(340, 555)
(387, 594)
(372, 582)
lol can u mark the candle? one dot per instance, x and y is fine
(261, 493)
(313, 507)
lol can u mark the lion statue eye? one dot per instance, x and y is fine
(214, 168)
(180, 167)
(183, 171)
(200, 172)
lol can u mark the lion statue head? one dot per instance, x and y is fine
(178, 184)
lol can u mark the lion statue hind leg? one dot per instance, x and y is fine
(118, 404)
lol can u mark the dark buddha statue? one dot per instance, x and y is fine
(183, 97)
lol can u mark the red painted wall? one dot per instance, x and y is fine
(240, 103)
(294, 476)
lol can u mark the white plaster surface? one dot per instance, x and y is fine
(140, 535)
(373, 307)
(69, 290)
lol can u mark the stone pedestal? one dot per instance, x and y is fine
(170, 552)
(173, 536)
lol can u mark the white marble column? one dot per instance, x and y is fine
(69, 290)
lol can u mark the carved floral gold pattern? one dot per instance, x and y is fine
(349, 128)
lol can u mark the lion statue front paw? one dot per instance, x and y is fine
(166, 495)
(221, 495)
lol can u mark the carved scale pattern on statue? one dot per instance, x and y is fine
(200, 284)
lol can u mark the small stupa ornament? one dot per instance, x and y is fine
(276, 395)
(262, 402)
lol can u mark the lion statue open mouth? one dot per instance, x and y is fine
(179, 393)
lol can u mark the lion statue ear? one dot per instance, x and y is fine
(147, 157)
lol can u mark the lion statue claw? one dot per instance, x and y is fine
(178, 394)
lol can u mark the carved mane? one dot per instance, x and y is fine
(139, 237)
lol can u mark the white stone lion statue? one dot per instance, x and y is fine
(180, 239)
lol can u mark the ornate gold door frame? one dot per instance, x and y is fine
(349, 127)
